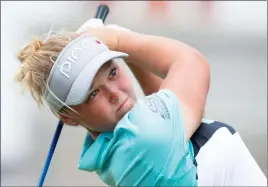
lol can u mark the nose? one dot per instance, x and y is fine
(114, 94)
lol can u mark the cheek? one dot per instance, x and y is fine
(98, 107)
(124, 83)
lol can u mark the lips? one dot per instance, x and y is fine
(122, 104)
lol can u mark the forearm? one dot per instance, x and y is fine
(154, 53)
(149, 82)
(184, 70)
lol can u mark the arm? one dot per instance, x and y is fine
(149, 82)
(184, 70)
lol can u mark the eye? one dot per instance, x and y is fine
(93, 94)
(112, 73)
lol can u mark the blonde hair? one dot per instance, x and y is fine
(37, 59)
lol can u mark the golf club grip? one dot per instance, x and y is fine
(102, 12)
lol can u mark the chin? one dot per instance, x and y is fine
(125, 109)
(112, 125)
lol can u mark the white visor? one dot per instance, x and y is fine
(74, 70)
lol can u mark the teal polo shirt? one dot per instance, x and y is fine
(146, 148)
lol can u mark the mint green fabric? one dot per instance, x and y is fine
(147, 147)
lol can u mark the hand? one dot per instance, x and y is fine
(117, 27)
(107, 34)
(94, 22)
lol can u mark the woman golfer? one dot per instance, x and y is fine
(152, 141)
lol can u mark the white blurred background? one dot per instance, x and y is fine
(232, 36)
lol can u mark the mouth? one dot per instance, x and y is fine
(122, 104)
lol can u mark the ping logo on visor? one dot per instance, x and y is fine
(66, 66)
(74, 70)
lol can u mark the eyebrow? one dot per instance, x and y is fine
(106, 66)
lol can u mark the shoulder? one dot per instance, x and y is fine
(136, 159)
(156, 117)
(162, 105)
(153, 132)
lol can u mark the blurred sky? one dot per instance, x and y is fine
(231, 34)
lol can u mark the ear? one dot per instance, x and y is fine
(68, 120)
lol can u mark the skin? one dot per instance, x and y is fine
(183, 69)
(111, 96)
(149, 82)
